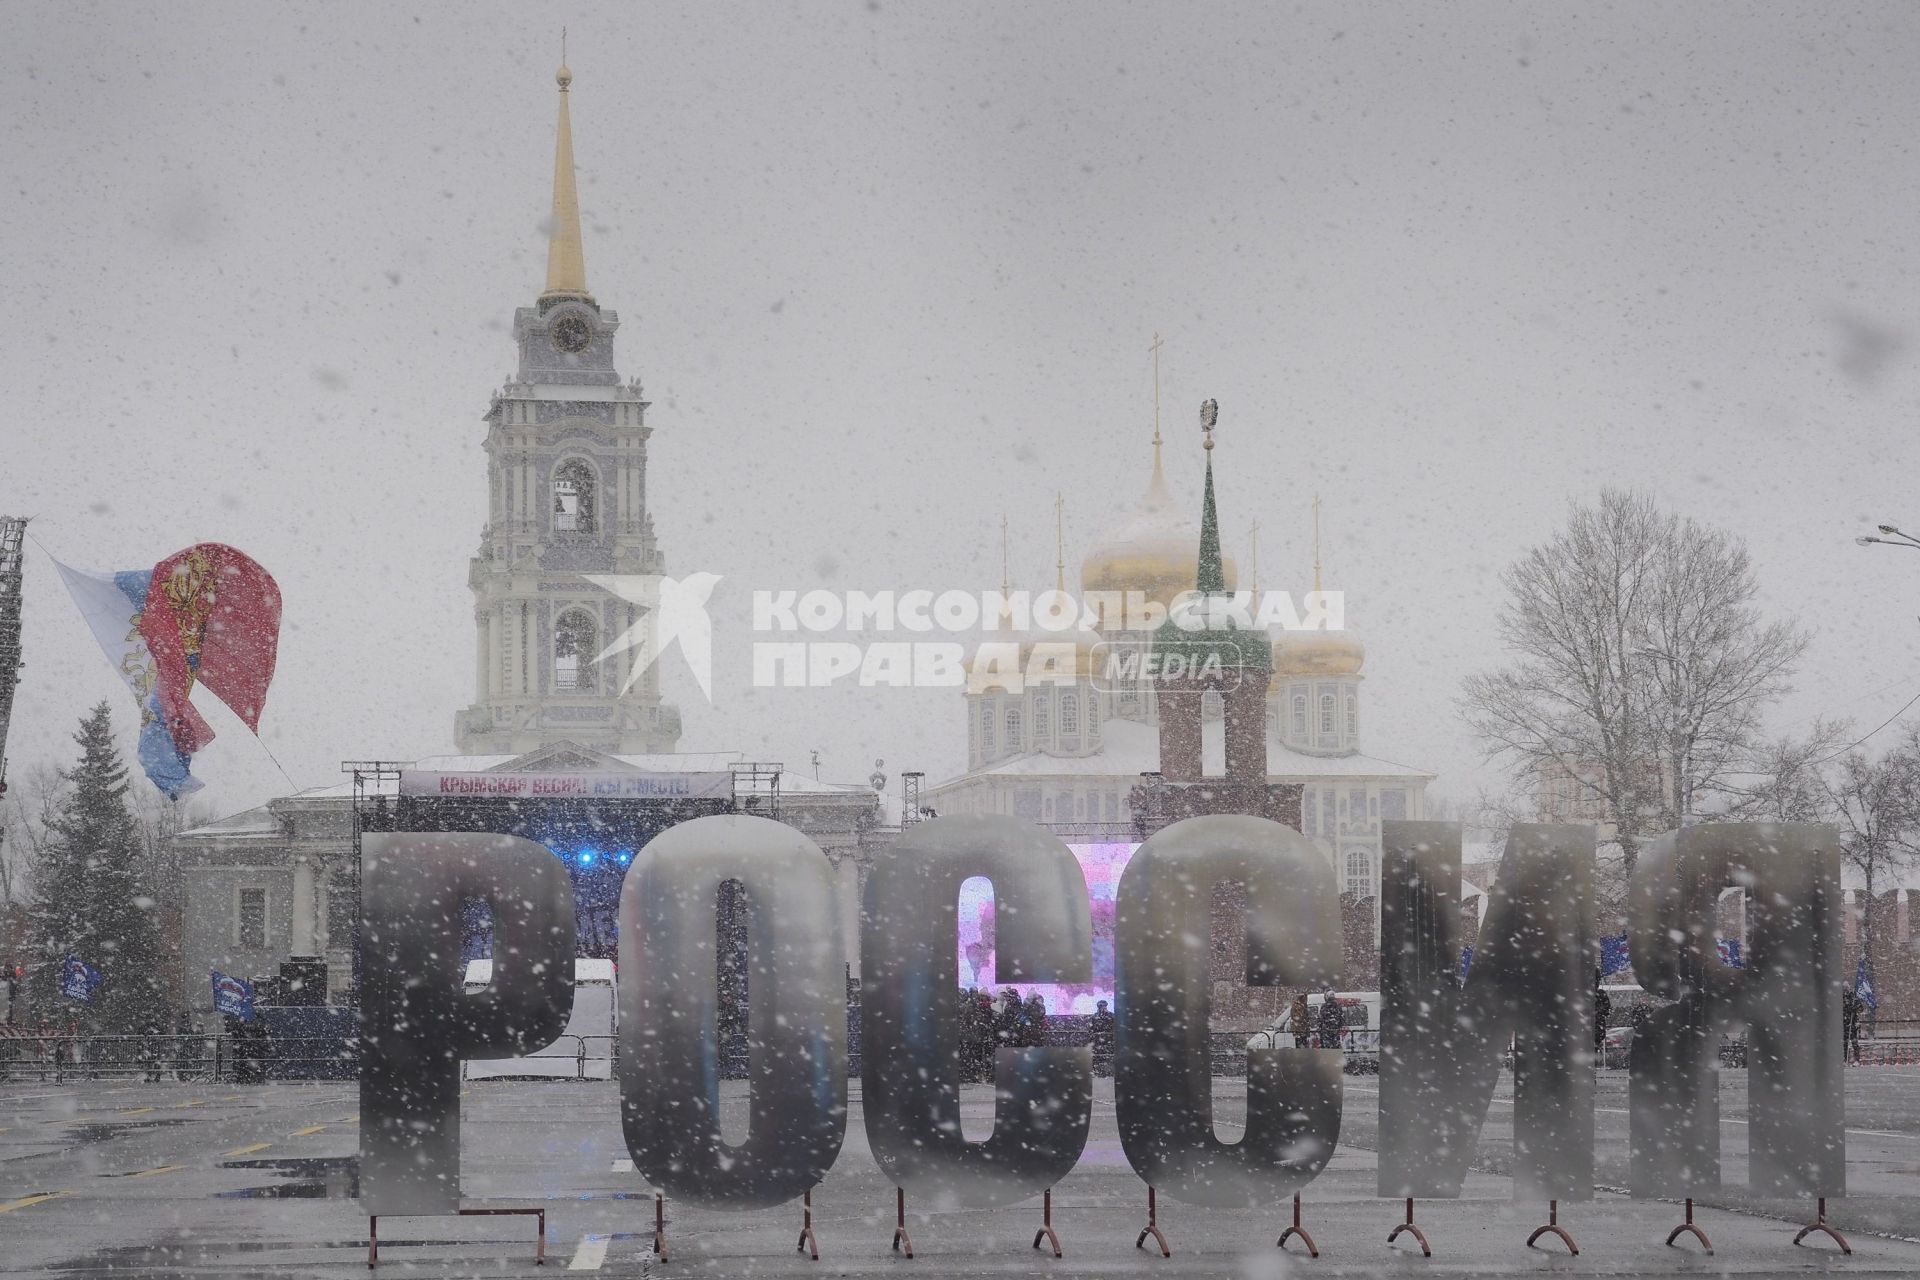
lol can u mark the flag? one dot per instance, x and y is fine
(1863, 987)
(232, 995)
(1614, 955)
(78, 979)
(208, 614)
(1730, 952)
(1466, 962)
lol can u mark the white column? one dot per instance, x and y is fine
(303, 904)
(493, 651)
(322, 935)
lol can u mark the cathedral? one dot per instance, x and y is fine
(1074, 754)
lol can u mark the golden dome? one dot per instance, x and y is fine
(1082, 657)
(1316, 653)
(1154, 549)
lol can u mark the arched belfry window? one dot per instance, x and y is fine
(573, 508)
(575, 642)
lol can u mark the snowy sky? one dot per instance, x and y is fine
(889, 271)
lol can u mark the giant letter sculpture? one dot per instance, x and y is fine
(1788, 995)
(417, 1024)
(796, 1013)
(1043, 932)
(1163, 986)
(1441, 1042)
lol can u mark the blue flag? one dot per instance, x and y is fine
(1613, 955)
(232, 995)
(1730, 952)
(1466, 962)
(1863, 987)
(79, 980)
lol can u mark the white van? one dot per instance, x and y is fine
(1359, 1028)
(584, 1051)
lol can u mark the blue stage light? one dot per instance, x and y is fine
(625, 857)
(586, 857)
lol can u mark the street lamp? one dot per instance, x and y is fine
(1899, 538)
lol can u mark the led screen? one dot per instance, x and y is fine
(1102, 865)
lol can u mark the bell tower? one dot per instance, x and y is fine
(566, 497)
(1214, 679)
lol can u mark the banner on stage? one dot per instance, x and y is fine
(569, 786)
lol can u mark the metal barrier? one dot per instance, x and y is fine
(248, 1058)
(243, 1059)
(77, 1058)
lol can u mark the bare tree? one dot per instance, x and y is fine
(1641, 665)
(1784, 782)
(27, 821)
(1875, 803)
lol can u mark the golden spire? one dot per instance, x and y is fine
(1059, 542)
(1159, 481)
(566, 262)
(1316, 542)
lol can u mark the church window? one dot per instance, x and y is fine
(573, 497)
(1359, 883)
(1326, 715)
(1042, 719)
(1093, 713)
(1353, 717)
(1300, 716)
(1069, 713)
(986, 725)
(1013, 728)
(574, 648)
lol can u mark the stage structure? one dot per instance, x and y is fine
(12, 531)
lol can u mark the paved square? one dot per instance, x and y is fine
(177, 1180)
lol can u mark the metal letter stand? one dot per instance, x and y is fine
(1313, 1250)
(539, 1248)
(1418, 1234)
(1553, 1227)
(1689, 1225)
(1046, 1231)
(1153, 1225)
(900, 1236)
(808, 1240)
(660, 1224)
(1820, 1223)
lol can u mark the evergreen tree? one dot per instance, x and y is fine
(88, 901)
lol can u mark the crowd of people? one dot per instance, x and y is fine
(1003, 1021)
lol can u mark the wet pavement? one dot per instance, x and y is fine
(176, 1180)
